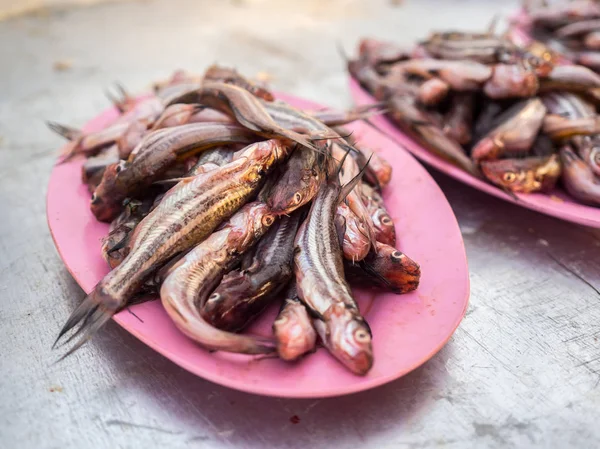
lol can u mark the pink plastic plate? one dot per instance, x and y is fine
(407, 329)
(556, 203)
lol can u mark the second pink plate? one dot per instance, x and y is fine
(556, 203)
(407, 329)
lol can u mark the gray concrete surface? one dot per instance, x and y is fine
(522, 370)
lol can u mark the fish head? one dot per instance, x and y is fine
(106, 203)
(400, 272)
(229, 307)
(532, 174)
(293, 190)
(294, 332)
(297, 185)
(384, 223)
(349, 338)
(268, 153)
(250, 223)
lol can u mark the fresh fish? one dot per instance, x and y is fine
(87, 144)
(386, 267)
(515, 135)
(157, 151)
(483, 48)
(247, 110)
(186, 216)
(243, 294)
(322, 286)
(131, 138)
(459, 118)
(568, 105)
(558, 128)
(406, 114)
(218, 156)
(115, 245)
(577, 28)
(459, 75)
(579, 179)
(511, 81)
(532, 174)
(297, 184)
(176, 115)
(573, 78)
(385, 232)
(216, 73)
(293, 328)
(375, 52)
(355, 238)
(190, 281)
(348, 170)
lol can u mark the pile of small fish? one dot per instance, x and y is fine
(571, 28)
(506, 113)
(222, 200)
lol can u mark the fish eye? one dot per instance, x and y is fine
(386, 220)
(95, 199)
(397, 255)
(362, 336)
(268, 220)
(297, 198)
(214, 297)
(509, 177)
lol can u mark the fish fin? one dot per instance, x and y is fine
(92, 313)
(340, 227)
(347, 188)
(64, 131)
(341, 164)
(119, 245)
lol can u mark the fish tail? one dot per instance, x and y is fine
(95, 310)
(64, 131)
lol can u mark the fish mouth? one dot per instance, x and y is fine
(361, 363)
